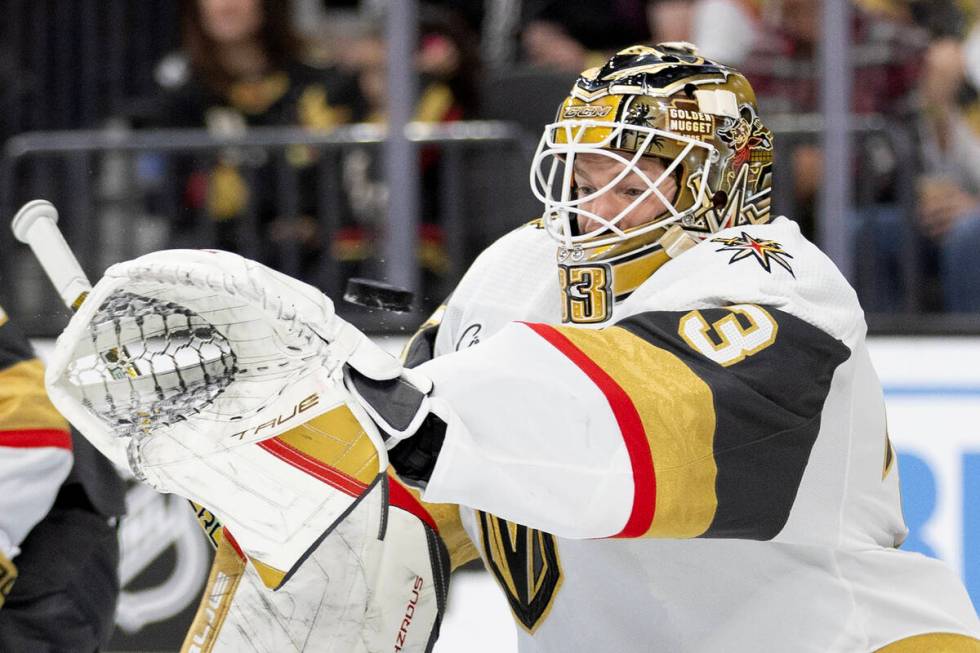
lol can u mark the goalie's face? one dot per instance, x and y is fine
(608, 196)
(611, 182)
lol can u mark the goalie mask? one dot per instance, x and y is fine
(649, 154)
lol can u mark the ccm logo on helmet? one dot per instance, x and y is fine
(586, 111)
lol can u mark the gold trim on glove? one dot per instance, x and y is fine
(226, 573)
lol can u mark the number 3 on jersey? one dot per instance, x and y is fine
(746, 330)
(586, 293)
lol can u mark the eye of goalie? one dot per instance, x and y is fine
(149, 363)
(612, 194)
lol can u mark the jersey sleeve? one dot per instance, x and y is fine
(669, 424)
(35, 444)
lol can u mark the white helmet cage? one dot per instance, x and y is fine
(552, 179)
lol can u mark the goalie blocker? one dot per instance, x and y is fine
(215, 378)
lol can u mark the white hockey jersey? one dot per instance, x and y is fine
(35, 444)
(707, 471)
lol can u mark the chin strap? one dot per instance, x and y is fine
(676, 241)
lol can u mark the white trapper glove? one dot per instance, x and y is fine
(218, 379)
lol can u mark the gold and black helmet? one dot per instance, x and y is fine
(699, 117)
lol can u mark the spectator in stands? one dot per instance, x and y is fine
(671, 20)
(570, 35)
(723, 30)
(948, 208)
(447, 64)
(949, 189)
(785, 70)
(547, 44)
(448, 69)
(241, 65)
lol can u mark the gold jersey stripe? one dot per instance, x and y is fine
(934, 643)
(24, 405)
(676, 409)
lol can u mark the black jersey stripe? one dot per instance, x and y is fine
(768, 410)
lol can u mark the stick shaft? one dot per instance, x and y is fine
(36, 224)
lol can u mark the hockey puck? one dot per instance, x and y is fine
(378, 294)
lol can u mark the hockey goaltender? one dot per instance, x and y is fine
(651, 412)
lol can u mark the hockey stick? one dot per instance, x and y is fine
(36, 225)
(221, 380)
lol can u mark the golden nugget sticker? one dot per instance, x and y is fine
(586, 111)
(690, 123)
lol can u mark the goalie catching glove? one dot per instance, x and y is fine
(213, 377)
(216, 378)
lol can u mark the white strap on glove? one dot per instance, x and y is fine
(397, 405)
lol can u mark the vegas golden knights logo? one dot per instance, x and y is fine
(525, 563)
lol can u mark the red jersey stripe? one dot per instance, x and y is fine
(35, 438)
(630, 426)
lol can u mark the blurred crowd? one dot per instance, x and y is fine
(226, 66)
(321, 63)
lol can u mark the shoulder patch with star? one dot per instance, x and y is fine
(765, 252)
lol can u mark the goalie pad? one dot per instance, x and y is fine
(360, 591)
(216, 378)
